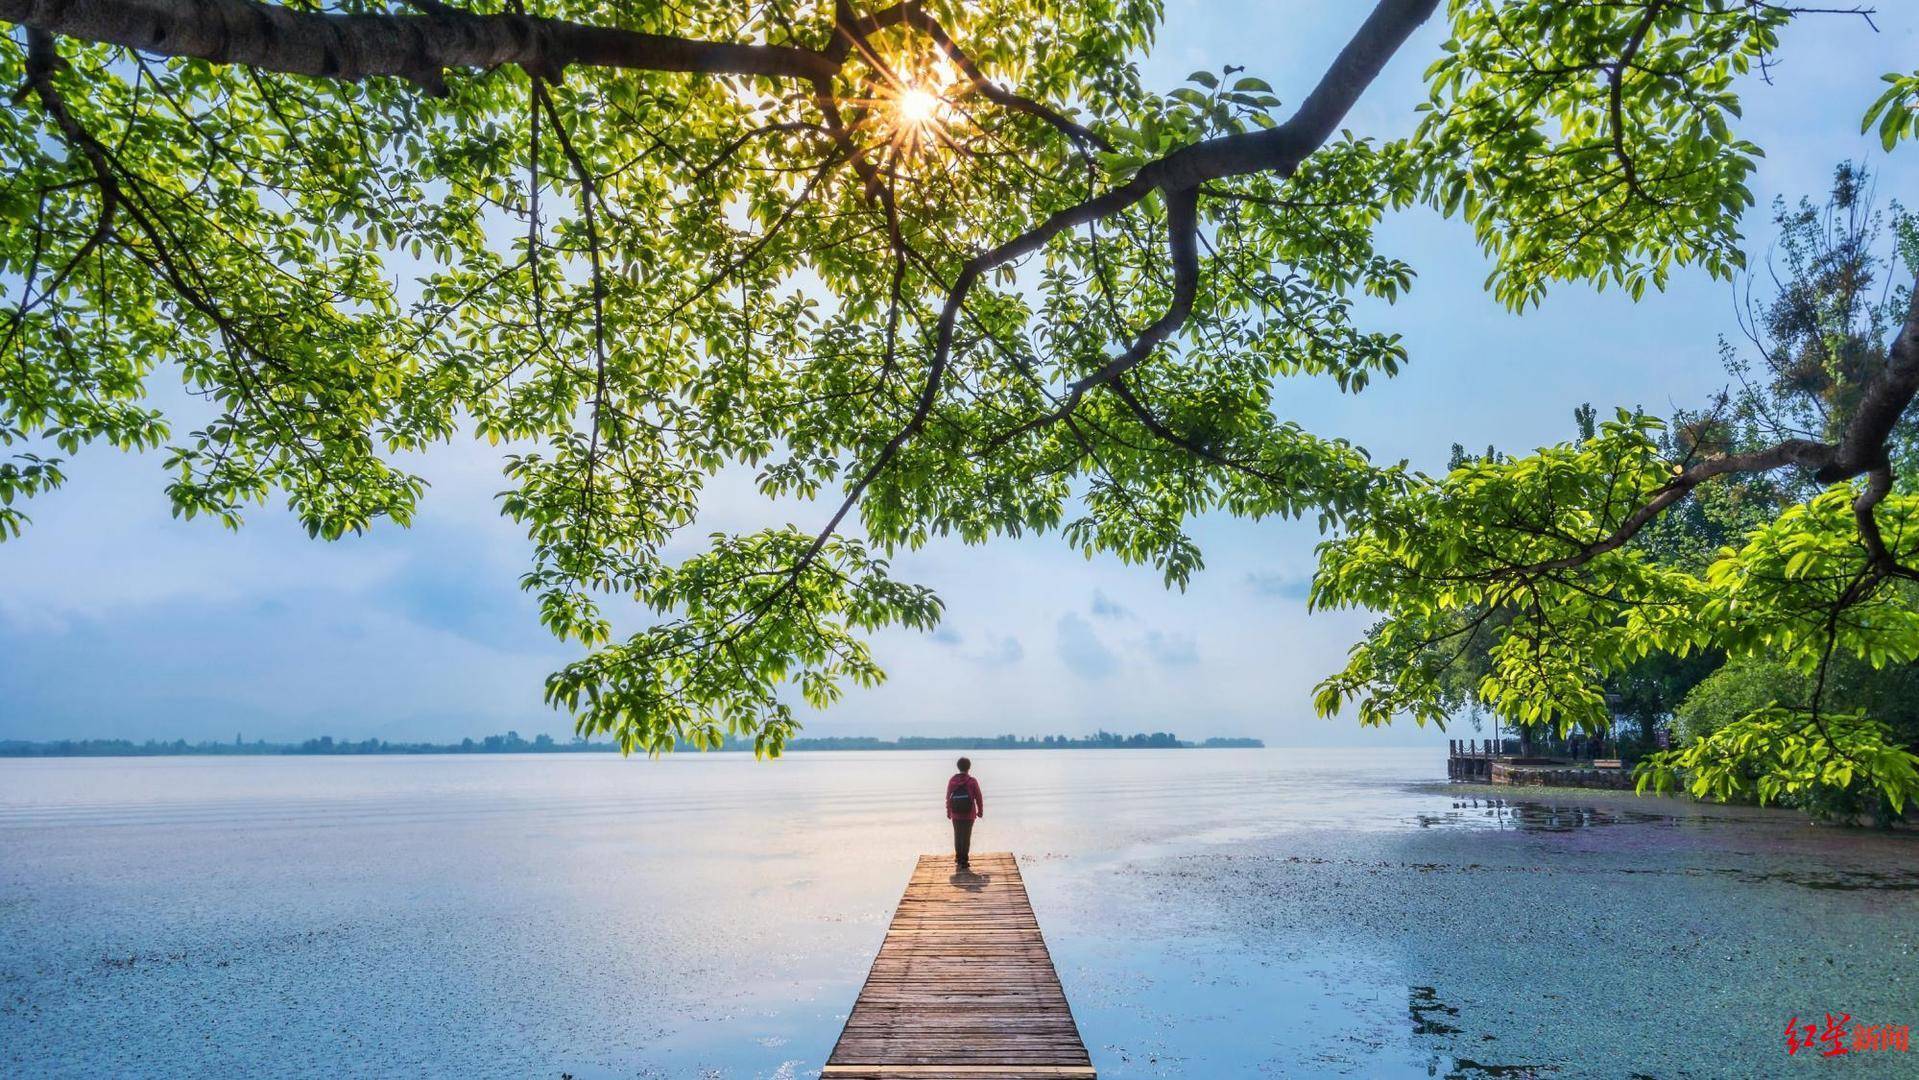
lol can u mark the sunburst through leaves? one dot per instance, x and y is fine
(913, 108)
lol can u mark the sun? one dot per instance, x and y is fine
(918, 107)
(913, 108)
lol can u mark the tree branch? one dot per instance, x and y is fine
(1615, 92)
(350, 47)
(1803, 452)
(1862, 447)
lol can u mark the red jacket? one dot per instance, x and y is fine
(959, 782)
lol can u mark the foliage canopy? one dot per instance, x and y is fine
(949, 268)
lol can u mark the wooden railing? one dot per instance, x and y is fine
(1474, 759)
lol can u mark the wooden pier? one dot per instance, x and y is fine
(1473, 761)
(1470, 759)
(963, 987)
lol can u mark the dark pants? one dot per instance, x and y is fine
(962, 839)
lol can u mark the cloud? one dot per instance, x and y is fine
(994, 650)
(1287, 586)
(1007, 650)
(452, 589)
(290, 666)
(1106, 607)
(1171, 649)
(1081, 650)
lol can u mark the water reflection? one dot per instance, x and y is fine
(1531, 816)
(1430, 1018)
(1468, 1069)
(1424, 1006)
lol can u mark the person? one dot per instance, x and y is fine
(964, 805)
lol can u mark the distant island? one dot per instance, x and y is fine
(512, 743)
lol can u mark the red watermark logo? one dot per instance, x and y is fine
(1840, 1035)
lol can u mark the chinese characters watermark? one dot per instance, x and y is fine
(1840, 1035)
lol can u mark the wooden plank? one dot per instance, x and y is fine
(955, 1072)
(963, 987)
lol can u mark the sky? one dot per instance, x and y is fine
(117, 621)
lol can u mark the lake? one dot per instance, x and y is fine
(1212, 913)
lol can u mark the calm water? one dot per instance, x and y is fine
(1212, 913)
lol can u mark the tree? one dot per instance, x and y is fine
(1749, 684)
(949, 266)
(1614, 573)
(1819, 342)
(1455, 661)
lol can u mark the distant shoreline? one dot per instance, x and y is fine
(512, 743)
